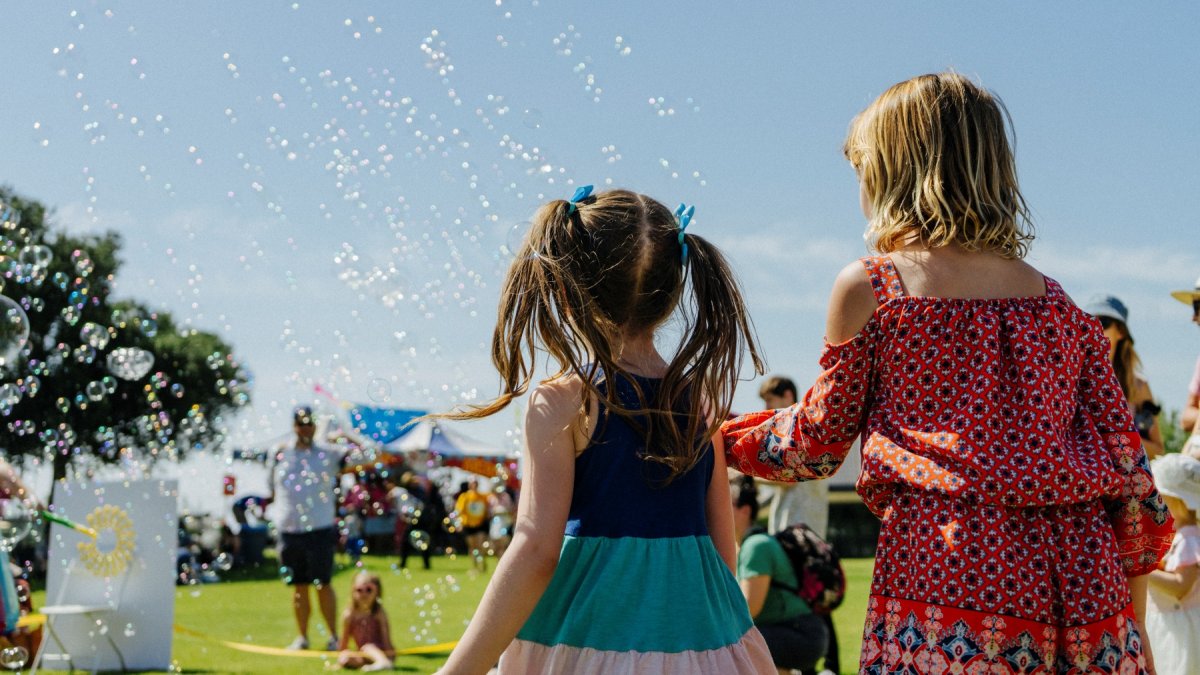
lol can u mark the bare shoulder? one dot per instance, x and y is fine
(851, 303)
(560, 397)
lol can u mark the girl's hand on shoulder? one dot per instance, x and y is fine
(851, 304)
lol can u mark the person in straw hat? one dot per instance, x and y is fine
(1191, 412)
(1173, 613)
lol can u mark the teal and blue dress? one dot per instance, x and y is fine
(639, 586)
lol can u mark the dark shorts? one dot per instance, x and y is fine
(797, 644)
(308, 556)
(478, 529)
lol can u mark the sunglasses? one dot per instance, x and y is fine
(1196, 307)
(364, 589)
(1107, 322)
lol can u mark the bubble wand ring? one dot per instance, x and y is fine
(114, 561)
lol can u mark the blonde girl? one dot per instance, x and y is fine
(366, 622)
(1173, 615)
(998, 450)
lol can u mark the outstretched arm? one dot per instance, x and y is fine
(527, 567)
(810, 439)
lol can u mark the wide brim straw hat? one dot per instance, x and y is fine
(1188, 297)
(1178, 476)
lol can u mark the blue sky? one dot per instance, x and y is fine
(331, 187)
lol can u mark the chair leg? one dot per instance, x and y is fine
(117, 651)
(41, 652)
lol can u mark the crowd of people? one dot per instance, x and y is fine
(314, 517)
(1005, 434)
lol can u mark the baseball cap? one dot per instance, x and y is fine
(303, 415)
(1109, 306)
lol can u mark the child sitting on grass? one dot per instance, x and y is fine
(366, 621)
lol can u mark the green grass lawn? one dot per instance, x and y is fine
(425, 607)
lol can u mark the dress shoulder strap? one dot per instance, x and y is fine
(1054, 290)
(885, 281)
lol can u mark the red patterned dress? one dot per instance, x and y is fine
(1000, 454)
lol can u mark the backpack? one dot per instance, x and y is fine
(817, 566)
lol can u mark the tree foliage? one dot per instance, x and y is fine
(1173, 434)
(74, 392)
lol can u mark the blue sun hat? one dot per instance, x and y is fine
(1178, 476)
(1108, 306)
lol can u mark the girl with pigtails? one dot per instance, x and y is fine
(622, 556)
(1019, 516)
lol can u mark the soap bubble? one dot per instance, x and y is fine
(419, 539)
(33, 384)
(38, 255)
(285, 573)
(17, 517)
(223, 562)
(130, 631)
(515, 237)
(83, 264)
(14, 658)
(10, 217)
(532, 118)
(94, 335)
(14, 330)
(95, 390)
(149, 327)
(379, 390)
(10, 395)
(130, 363)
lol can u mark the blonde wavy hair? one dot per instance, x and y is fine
(933, 157)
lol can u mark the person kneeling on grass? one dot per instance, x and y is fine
(366, 622)
(796, 637)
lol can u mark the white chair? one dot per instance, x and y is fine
(94, 613)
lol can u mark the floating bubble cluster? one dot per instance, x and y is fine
(130, 363)
(14, 330)
(393, 181)
(17, 517)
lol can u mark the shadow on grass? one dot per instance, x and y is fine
(269, 569)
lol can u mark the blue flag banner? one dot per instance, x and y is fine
(383, 425)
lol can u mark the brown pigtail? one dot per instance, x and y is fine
(585, 279)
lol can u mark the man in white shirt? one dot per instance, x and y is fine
(304, 480)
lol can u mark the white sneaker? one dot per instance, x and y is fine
(298, 644)
(332, 645)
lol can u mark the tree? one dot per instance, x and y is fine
(99, 380)
(1173, 435)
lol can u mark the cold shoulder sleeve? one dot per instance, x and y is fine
(810, 439)
(1142, 524)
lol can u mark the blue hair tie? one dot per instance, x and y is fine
(683, 216)
(581, 193)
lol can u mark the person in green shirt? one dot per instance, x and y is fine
(796, 637)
